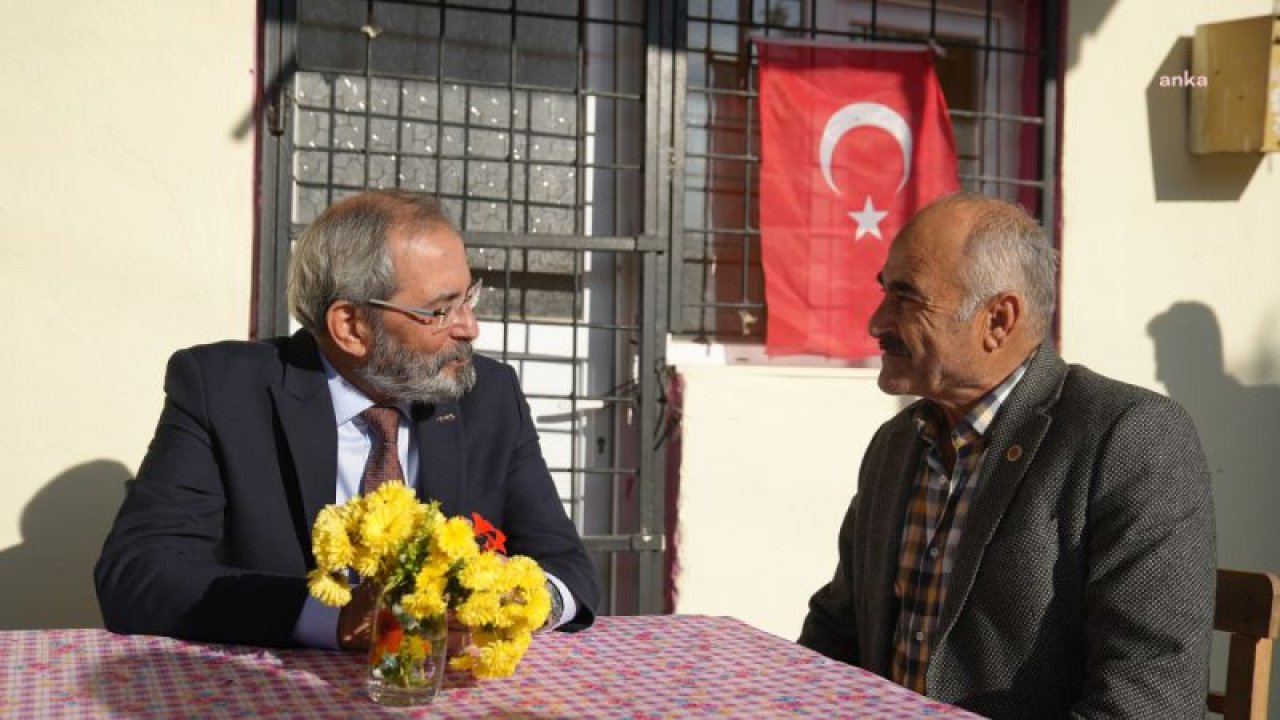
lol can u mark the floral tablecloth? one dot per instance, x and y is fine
(638, 668)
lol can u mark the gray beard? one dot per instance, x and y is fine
(406, 376)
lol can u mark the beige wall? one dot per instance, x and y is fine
(1202, 232)
(126, 217)
(769, 466)
(126, 212)
(1147, 226)
(1152, 231)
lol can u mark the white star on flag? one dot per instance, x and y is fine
(868, 219)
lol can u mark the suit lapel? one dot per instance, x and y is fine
(888, 499)
(1012, 444)
(305, 413)
(441, 461)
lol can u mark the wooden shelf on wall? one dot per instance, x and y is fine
(1235, 88)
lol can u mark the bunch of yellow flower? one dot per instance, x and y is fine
(505, 602)
(431, 565)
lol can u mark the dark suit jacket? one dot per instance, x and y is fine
(1083, 582)
(213, 540)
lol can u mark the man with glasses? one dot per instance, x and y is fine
(213, 539)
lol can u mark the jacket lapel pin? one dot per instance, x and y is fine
(1013, 453)
(447, 417)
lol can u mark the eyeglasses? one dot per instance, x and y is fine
(439, 319)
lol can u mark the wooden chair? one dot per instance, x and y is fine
(1248, 608)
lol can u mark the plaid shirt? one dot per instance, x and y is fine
(935, 519)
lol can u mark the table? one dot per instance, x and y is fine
(638, 668)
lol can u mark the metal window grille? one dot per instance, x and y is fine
(528, 119)
(601, 158)
(997, 70)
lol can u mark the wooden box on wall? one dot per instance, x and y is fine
(1236, 107)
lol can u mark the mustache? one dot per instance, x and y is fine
(398, 372)
(461, 351)
(892, 344)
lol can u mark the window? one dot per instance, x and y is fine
(995, 70)
(526, 118)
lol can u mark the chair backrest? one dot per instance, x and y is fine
(1248, 608)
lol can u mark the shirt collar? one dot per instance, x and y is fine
(930, 420)
(348, 400)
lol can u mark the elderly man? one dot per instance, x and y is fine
(213, 539)
(1030, 539)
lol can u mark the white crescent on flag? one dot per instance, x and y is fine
(846, 119)
(856, 115)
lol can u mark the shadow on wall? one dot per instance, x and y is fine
(48, 578)
(1180, 174)
(1083, 20)
(1237, 424)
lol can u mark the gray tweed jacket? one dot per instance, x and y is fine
(1083, 583)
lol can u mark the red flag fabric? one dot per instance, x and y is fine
(854, 141)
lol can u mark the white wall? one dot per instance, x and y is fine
(770, 458)
(126, 206)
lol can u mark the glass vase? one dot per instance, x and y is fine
(406, 656)
(459, 642)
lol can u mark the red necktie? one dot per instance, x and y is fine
(384, 462)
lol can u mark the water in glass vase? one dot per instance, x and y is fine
(406, 656)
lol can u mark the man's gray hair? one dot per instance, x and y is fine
(344, 253)
(1007, 251)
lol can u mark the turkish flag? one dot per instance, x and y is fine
(853, 142)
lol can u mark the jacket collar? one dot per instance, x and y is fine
(1012, 444)
(440, 436)
(305, 414)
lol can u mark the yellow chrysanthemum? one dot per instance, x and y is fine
(456, 539)
(497, 653)
(415, 648)
(329, 540)
(481, 636)
(327, 588)
(352, 514)
(427, 599)
(523, 572)
(436, 564)
(500, 658)
(394, 494)
(480, 609)
(405, 504)
(432, 573)
(384, 527)
(482, 573)
(389, 537)
(529, 614)
(537, 608)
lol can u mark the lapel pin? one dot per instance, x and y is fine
(447, 417)
(1013, 453)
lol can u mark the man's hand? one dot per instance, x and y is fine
(355, 621)
(458, 637)
(460, 643)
